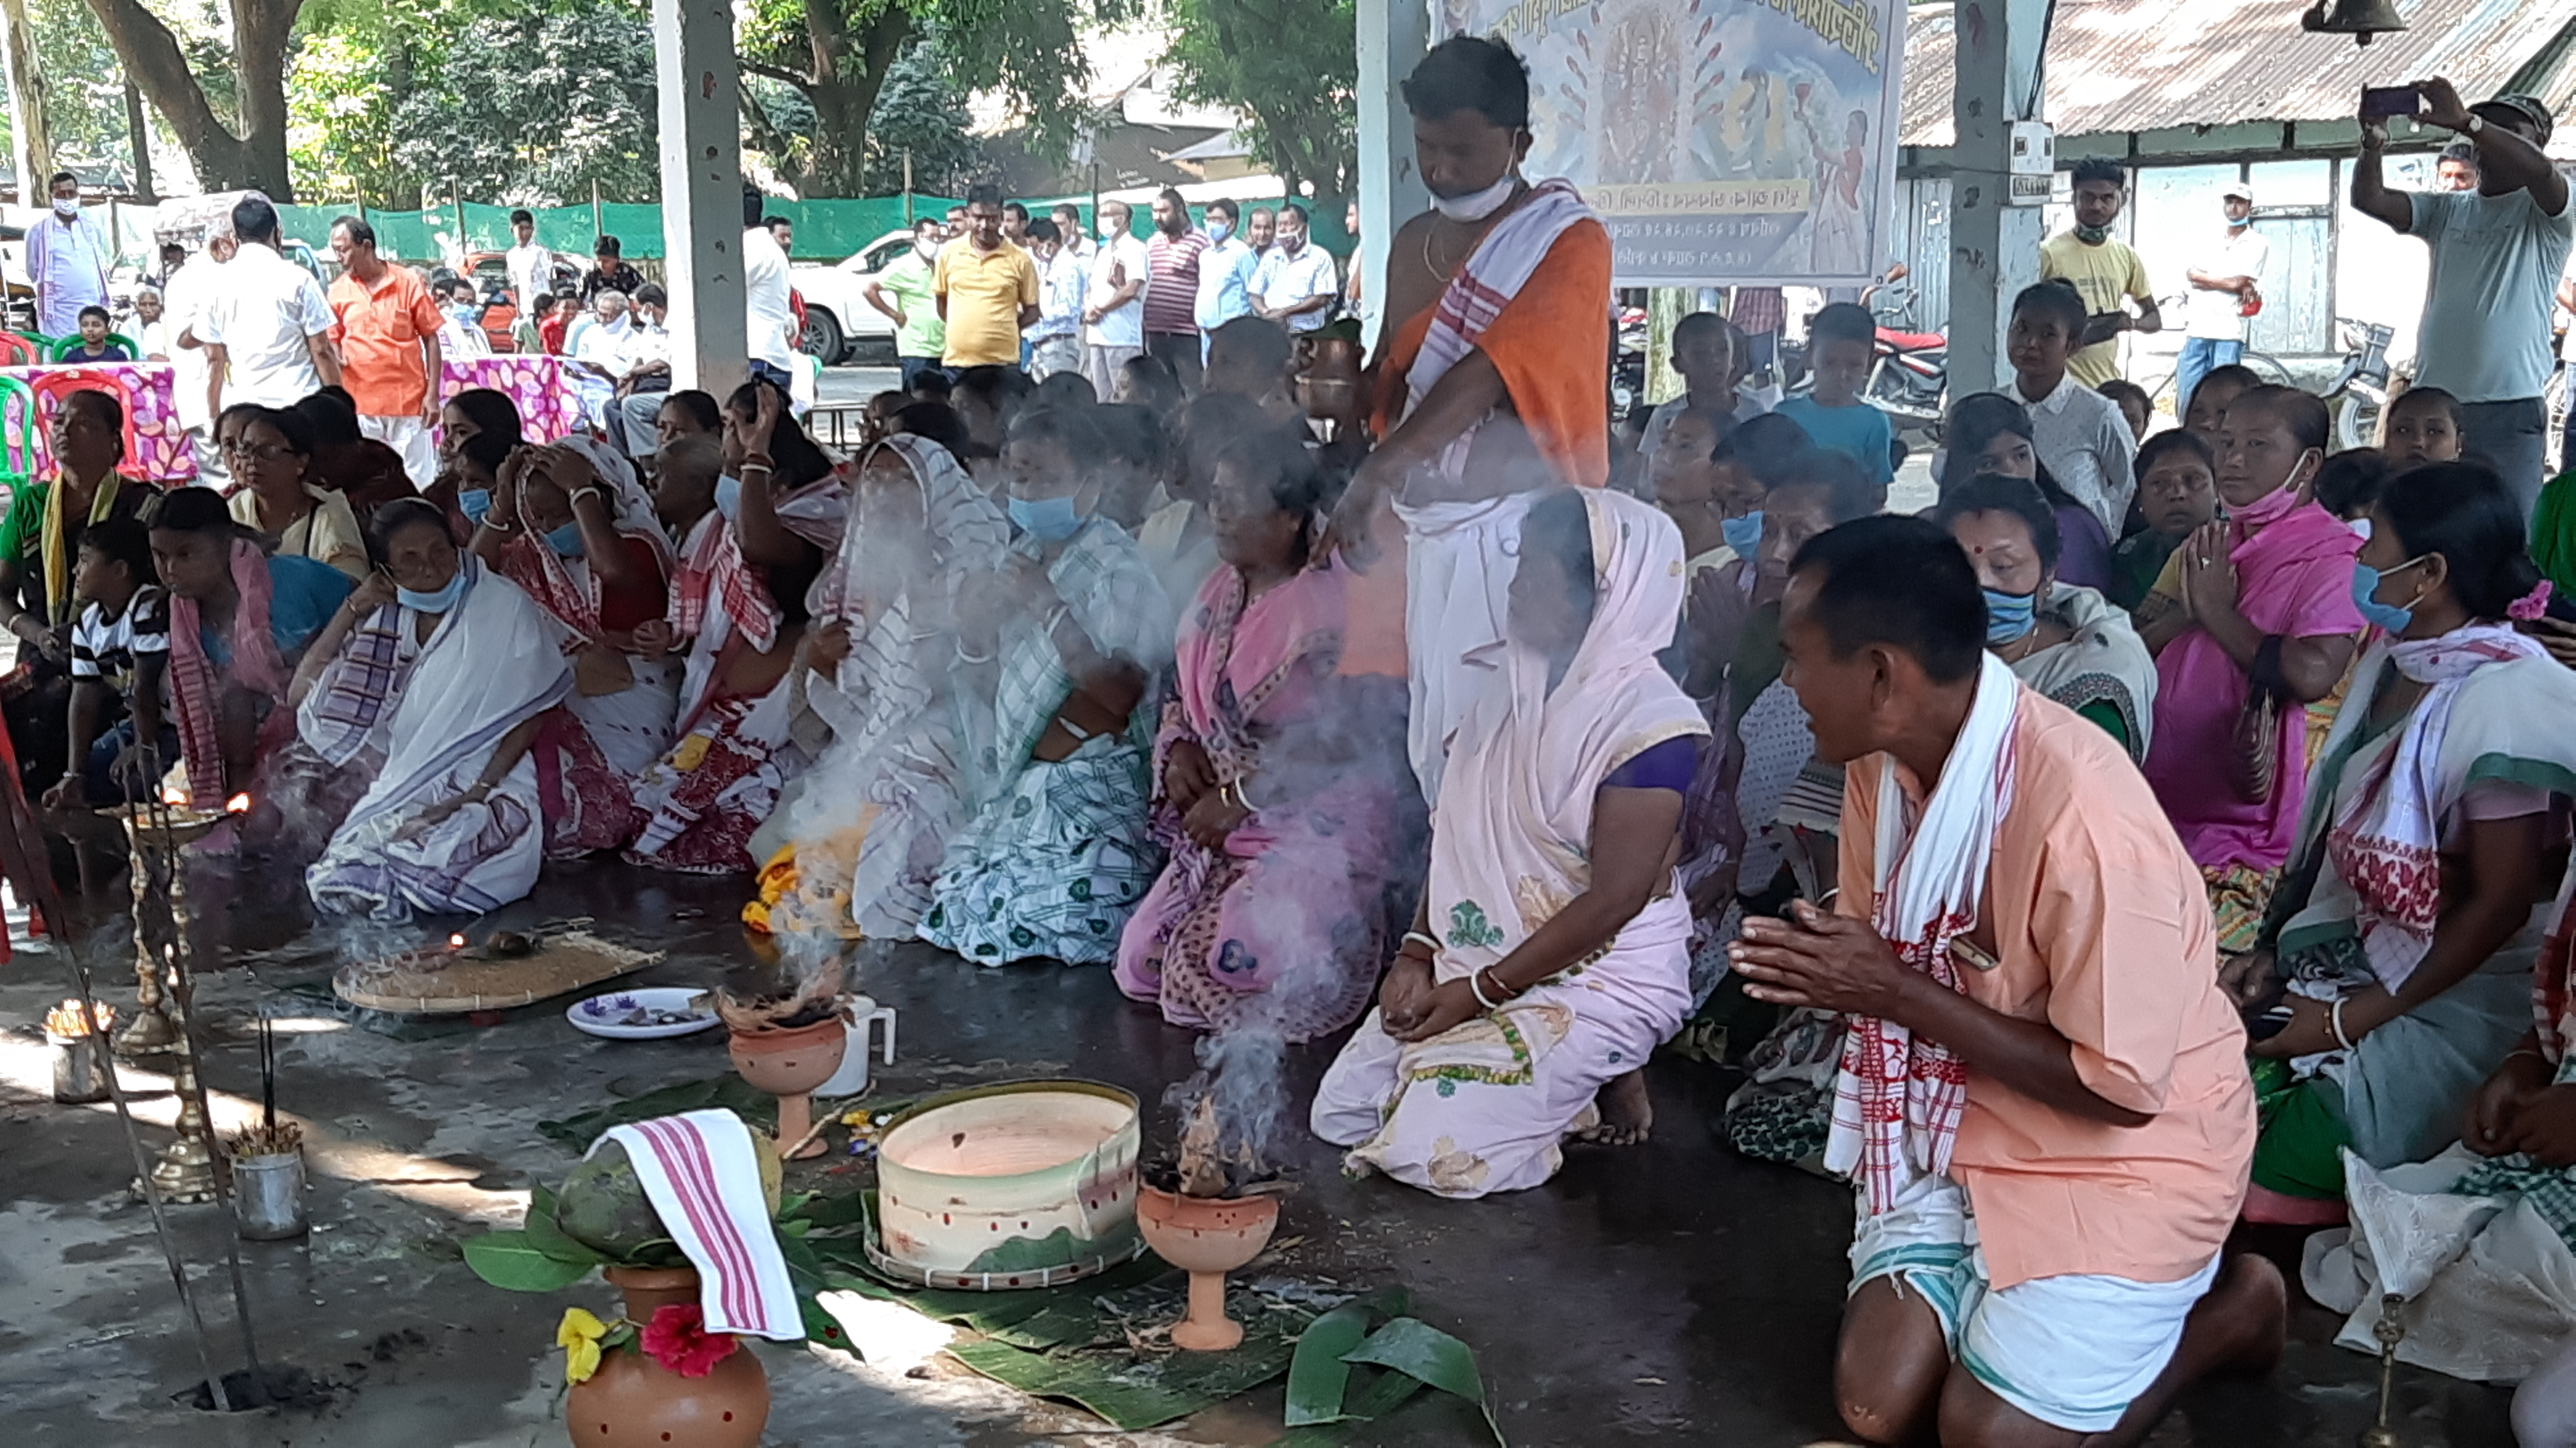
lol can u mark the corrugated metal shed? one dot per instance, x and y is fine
(2119, 66)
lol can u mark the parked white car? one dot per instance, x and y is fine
(837, 314)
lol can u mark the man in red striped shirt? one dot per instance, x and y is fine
(1172, 287)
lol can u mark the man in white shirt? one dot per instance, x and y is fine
(769, 318)
(2497, 255)
(602, 359)
(2222, 287)
(185, 301)
(1113, 312)
(1055, 342)
(1297, 284)
(268, 333)
(1076, 241)
(68, 257)
(1225, 272)
(647, 383)
(531, 267)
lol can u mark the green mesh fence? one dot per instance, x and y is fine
(825, 230)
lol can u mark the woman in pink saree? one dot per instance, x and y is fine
(1561, 956)
(1278, 798)
(2260, 600)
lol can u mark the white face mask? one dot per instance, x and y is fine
(1109, 232)
(67, 206)
(927, 249)
(1477, 205)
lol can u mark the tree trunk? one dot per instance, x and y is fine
(842, 102)
(224, 159)
(139, 131)
(31, 137)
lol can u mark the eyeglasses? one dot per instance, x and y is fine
(265, 453)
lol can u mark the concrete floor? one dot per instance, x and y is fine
(1672, 1292)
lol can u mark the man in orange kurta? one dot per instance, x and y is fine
(2044, 1266)
(1492, 386)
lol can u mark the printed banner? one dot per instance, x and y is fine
(1724, 141)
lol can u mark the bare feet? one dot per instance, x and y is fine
(1627, 1115)
(2239, 1327)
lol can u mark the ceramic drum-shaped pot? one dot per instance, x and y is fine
(791, 1062)
(1002, 1187)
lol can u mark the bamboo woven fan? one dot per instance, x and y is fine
(437, 981)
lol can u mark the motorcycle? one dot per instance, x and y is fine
(2360, 391)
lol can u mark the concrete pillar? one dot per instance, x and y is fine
(1394, 35)
(702, 228)
(1994, 245)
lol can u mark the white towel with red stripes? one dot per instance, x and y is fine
(701, 1171)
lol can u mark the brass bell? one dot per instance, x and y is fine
(2359, 19)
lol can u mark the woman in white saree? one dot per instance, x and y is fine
(1561, 956)
(892, 678)
(436, 672)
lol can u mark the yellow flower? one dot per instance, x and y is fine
(578, 1335)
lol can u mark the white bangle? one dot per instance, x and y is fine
(2334, 1020)
(1411, 936)
(1476, 988)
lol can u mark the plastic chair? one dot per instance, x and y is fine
(17, 434)
(53, 384)
(61, 351)
(20, 351)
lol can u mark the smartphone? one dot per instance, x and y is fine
(2379, 102)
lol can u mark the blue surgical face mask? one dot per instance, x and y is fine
(1048, 520)
(439, 602)
(2391, 618)
(1218, 231)
(566, 540)
(474, 503)
(729, 496)
(2009, 616)
(1744, 534)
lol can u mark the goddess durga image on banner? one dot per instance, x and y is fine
(1641, 116)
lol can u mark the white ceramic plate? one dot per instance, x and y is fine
(604, 1015)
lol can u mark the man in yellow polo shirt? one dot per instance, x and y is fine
(987, 288)
(2106, 272)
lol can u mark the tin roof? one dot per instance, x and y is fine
(2116, 66)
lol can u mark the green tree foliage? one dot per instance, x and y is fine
(920, 112)
(189, 76)
(85, 101)
(519, 106)
(1292, 66)
(534, 108)
(840, 56)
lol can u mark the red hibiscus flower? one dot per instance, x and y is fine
(677, 1339)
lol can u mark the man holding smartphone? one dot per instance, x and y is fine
(2498, 252)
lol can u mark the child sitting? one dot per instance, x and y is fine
(2207, 406)
(95, 345)
(120, 650)
(2137, 409)
(1705, 355)
(2423, 427)
(1842, 346)
(2078, 433)
(2177, 492)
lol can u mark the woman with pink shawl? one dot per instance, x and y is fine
(1562, 957)
(2259, 600)
(1279, 799)
(239, 621)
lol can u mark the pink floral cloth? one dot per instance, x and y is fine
(547, 409)
(158, 445)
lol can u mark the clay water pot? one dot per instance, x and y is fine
(789, 1064)
(635, 1402)
(1206, 1237)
